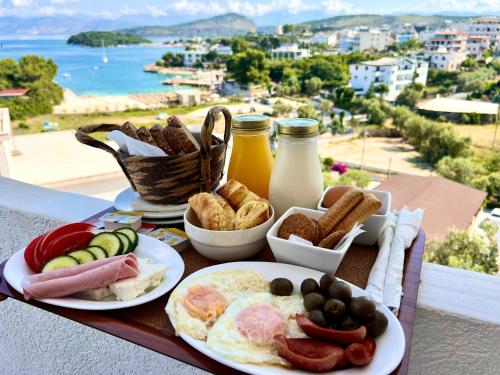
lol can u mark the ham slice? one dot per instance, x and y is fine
(92, 275)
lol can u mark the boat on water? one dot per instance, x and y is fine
(66, 75)
(104, 58)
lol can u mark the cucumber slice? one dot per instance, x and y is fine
(63, 261)
(83, 256)
(127, 245)
(98, 252)
(132, 236)
(110, 242)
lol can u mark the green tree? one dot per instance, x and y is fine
(409, 97)
(400, 115)
(464, 249)
(356, 178)
(312, 86)
(462, 170)
(381, 89)
(249, 67)
(280, 108)
(289, 28)
(344, 97)
(477, 80)
(469, 64)
(239, 44)
(307, 111)
(172, 60)
(325, 106)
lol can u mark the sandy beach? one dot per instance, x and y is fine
(75, 104)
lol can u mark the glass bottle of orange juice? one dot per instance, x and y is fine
(251, 160)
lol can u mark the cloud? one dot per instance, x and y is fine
(339, 6)
(21, 3)
(128, 11)
(472, 6)
(155, 11)
(63, 1)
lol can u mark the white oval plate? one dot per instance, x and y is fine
(124, 202)
(390, 345)
(16, 270)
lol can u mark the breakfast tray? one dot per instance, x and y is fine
(148, 325)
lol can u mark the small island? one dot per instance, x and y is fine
(106, 38)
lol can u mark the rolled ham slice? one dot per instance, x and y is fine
(92, 275)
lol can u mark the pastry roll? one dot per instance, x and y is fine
(251, 214)
(210, 213)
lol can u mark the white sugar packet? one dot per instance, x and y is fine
(133, 146)
(349, 237)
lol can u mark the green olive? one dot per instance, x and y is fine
(335, 308)
(309, 286)
(377, 325)
(340, 290)
(325, 282)
(281, 287)
(313, 301)
(348, 324)
(362, 309)
(318, 317)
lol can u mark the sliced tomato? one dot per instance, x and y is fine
(38, 254)
(29, 253)
(66, 243)
(63, 230)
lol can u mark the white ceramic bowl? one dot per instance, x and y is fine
(226, 246)
(315, 257)
(375, 223)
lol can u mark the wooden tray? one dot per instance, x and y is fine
(148, 325)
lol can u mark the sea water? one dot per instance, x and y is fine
(82, 71)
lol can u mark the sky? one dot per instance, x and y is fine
(252, 8)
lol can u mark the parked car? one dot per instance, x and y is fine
(495, 215)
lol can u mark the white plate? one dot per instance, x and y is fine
(125, 202)
(16, 269)
(390, 345)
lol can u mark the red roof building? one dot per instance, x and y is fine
(12, 93)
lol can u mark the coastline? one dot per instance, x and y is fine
(76, 104)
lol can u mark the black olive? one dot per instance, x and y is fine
(348, 324)
(334, 308)
(281, 287)
(340, 290)
(317, 317)
(362, 309)
(309, 286)
(313, 301)
(325, 282)
(377, 325)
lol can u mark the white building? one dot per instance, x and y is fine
(396, 73)
(442, 59)
(447, 49)
(377, 39)
(330, 39)
(191, 57)
(289, 51)
(477, 45)
(486, 26)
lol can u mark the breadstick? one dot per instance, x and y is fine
(330, 241)
(368, 206)
(339, 210)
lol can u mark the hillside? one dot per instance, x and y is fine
(340, 22)
(225, 25)
(98, 38)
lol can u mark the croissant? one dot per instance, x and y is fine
(238, 194)
(210, 213)
(251, 214)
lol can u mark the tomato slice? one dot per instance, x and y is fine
(63, 230)
(29, 253)
(66, 243)
(38, 255)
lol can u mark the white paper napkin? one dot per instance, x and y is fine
(406, 230)
(133, 146)
(376, 279)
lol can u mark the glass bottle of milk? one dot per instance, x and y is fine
(296, 179)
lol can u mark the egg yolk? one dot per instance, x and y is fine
(260, 323)
(205, 303)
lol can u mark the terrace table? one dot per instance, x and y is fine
(148, 325)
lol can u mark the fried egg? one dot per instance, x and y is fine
(196, 305)
(244, 333)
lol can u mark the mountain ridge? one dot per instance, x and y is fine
(229, 24)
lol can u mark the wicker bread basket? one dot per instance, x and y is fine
(171, 179)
